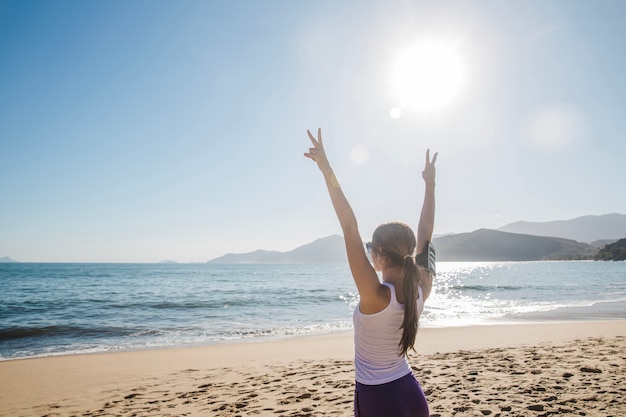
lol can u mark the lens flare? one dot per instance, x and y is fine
(360, 154)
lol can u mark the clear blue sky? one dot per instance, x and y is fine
(150, 130)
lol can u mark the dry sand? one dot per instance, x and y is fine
(571, 368)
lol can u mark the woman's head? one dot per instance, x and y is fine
(394, 240)
(395, 243)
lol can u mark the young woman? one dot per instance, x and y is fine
(386, 318)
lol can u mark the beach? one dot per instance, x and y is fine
(530, 369)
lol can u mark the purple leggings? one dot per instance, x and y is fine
(400, 398)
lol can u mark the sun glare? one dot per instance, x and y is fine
(427, 76)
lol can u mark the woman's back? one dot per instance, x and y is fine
(377, 338)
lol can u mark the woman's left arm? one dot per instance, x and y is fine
(427, 219)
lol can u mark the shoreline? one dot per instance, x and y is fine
(563, 315)
(96, 315)
(100, 383)
(537, 319)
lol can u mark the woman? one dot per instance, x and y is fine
(386, 318)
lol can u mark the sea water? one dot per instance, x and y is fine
(49, 309)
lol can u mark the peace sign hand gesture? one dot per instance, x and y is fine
(429, 169)
(317, 152)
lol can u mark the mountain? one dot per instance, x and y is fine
(259, 256)
(520, 241)
(599, 244)
(494, 245)
(582, 229)
(480, 245)
(613, 252)
(7, 260)
(326, 250)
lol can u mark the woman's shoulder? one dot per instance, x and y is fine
(393, 295)
(380, 302)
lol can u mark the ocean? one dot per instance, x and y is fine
(52, 309)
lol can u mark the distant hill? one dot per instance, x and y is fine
(613, 252)
(480, 245)
(494, 245)
(326, 250)
(7, 260)
(579, 238)
(601, 243)
(582, 229)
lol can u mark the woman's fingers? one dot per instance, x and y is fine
(313, 141)
(316, 142)
(318, 145)
(428, 161)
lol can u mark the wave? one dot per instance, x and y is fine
(487, 288)
(168, 305)
(244, 300)
(309, 329)
(15, 333)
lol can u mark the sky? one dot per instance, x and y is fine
(150, 130)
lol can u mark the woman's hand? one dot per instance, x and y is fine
(429, 169)
(317, 153)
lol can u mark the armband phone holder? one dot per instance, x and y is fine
(427, 258)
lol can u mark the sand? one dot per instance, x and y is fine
(570, 368)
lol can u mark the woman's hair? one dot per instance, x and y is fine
(396, 242)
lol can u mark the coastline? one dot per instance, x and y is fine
(77, 309)
(313, 373)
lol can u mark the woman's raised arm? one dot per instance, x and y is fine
(427, 218)
(363, 273)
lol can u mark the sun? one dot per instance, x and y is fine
(427, 76)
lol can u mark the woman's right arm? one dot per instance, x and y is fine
(363, 273)
(427, 219)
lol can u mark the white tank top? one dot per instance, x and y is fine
(377, 342)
